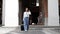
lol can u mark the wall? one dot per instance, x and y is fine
(10, 13)
(53, 13)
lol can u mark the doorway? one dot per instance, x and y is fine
(35, 11)
(31, 4)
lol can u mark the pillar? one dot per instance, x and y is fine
(53, 13)
(10, 13)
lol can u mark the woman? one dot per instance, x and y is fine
(40, 18)
(26, 15)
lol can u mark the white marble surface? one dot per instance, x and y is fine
(36, 30)
(10, 13)
(53, 13)
(5, 30)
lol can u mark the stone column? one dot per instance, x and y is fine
(10, 13)
(53, 13)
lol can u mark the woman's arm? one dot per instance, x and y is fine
(29, 12)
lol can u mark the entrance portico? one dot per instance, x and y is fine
(11, 9)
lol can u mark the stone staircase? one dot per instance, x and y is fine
(39, 27)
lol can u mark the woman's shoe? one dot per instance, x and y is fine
(25, 30)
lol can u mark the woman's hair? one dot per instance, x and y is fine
(27, 8)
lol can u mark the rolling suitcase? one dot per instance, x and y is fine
(22, 27)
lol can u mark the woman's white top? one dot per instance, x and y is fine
(26, 14)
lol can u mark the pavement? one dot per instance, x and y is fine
(32, 30)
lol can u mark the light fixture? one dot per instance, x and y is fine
(37, 2)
